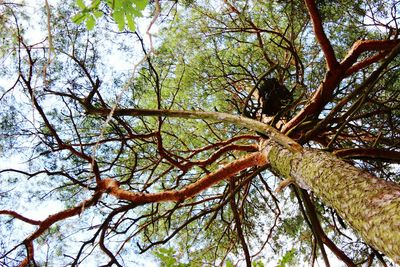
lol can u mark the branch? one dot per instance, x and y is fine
(371, 153)
(213, 157)
(365, 86)
(112, 186)
(319, 232)
(314, 224)
(20, 217)
(256, 31)
(238, 223)
(321, 36)
(47, 223)
(321, 96)
(223, 143)
(332, 79)
(366, 62)
(360, 47)
(270, 131)
(53, 132)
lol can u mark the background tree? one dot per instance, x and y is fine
(160, 160)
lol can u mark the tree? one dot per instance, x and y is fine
(164, 160)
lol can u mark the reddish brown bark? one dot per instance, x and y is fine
(366, 62)
(336, 71)
(321, 96)
(112, 186)
(20, 217)
(49, 221)
(321, 36)
(360, 47)
(334, 76)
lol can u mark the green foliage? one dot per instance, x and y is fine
(229, 263)
(167, 258)
(257, 264)
(88, 14)
(124, 12)
(289, 259)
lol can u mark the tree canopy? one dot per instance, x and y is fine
(199, 133)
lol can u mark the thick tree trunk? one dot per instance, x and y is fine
(369, 204)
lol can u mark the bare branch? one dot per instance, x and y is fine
(252, 160)
(323, 40)
(20, 217)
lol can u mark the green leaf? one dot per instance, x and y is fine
(95, 4)
(98, 14)
(90, 22)
(141, 4)
(136, 13)
(119, 18)
(228, 263)
(110, 3)
(257, 264)
(80, 4)
(121, 25)
(288, 259)
(79, 18)
(117, 4)
(131, 23)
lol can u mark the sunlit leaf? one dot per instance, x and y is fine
(80, 4)
(98, 14)
(95, 3)
(229, 263)
(119, 18)
(117, 4)
(79, 18)
(136, 13)
(90, 22)
(141, 4)
(131, 23)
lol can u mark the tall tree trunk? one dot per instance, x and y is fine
(369, 204)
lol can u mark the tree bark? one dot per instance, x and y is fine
(369, 204)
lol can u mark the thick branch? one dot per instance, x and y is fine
(324, 92)
(366, 62)
(321, 96)
(360, 47)
(321, 36)
(215, 116)
(112, 186)
(367, 83)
